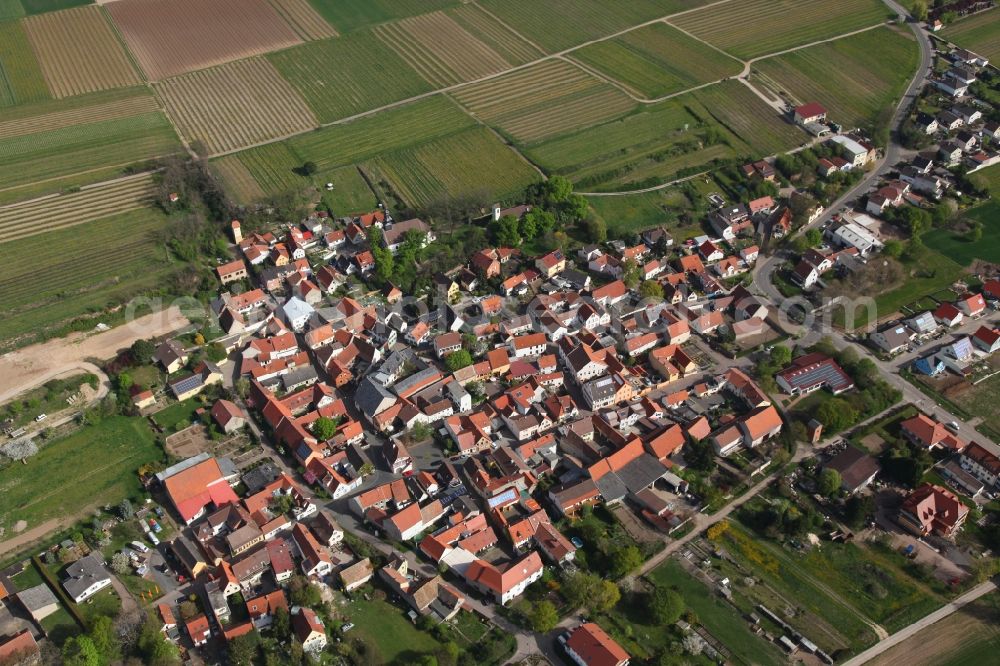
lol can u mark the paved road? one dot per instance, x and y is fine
(919, 625)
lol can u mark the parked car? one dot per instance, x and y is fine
(344, 628)
(140, 546)
(41, 417)
(152, 539)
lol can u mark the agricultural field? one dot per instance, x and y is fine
(238, 181)
(857, 78)
(52, 154)
(960, 247)
(544, 100)
(349, 75)
(78, 52)
(440, 49)
(41, 216)
(970, 636)
(657, 60)
(124, 257)
(474, 160)
(274, 168)
(753, 28)
(652, 144)
(171, 37)
(21, 78)
(10, 9)
(979, 33)
(747, 116)
(361, 139)
(351, 15)
(632, 213)
(42, 6)
(488, 30)
(95, 107)
(304, 19)
(93, 466)
(557, 25)
(235, 105)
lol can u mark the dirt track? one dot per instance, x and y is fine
(29, 367)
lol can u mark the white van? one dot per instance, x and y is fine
(152, 539)
(140, 546)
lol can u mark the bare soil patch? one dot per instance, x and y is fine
(170, 37)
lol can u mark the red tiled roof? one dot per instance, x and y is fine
(593, 645)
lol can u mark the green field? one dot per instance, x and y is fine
(386, 626)
(350, 15)
(350, 193)
(121, 257)
(21, 79)
(472, 161)
(721, 620)
(178, 415)
(341, 145)
(748, 117)
(494, 34)
(653, 144)
(273, 167)
(348, 75)
(858, 79)
(658, 60)
(42, 6)
(69, 150)
(962, 249)
(10, 9)
(979, 33)
(752, 28)
(95, 465)
(556, 25)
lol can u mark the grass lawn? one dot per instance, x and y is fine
(95, 465)
(46, 399)
(30, 577)
(964, 250)
(981, 400)
(60, 625)
(386, 626)
(721, 619)
(887, 428)
(178, 414)
(350, 193)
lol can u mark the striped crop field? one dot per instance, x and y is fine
(52, 213)
(303, 19)
(752, 28)
(979, 33)
(858, 78)
(358, 140)
(239, 183)
(657, 60)
(747, 116)
(78, 52)
(30, 158)
(352, 15)
(273, 167)
(235, 105)
(472, 161)
(556, 25)
(500, 38)
(544, 100)
(21, 78)
(57, 114)
(440, 49)
(641, 149)
(123, 256)
(342, 77)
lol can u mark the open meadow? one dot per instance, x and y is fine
(21, 77)
(651, 144)
(857, 78)
(979, 33)
(657, 60)
(441, 50)
(547, 23)
(474, 160)
(170, 37)
(95, 465)
(523, 103)
(752, 28)
(79, 52)
(348, 75)
(235, 105)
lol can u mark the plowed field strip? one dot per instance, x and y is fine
(89, 114)
(303, 19)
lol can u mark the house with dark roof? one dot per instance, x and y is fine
(857, 469)
(812, 372)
